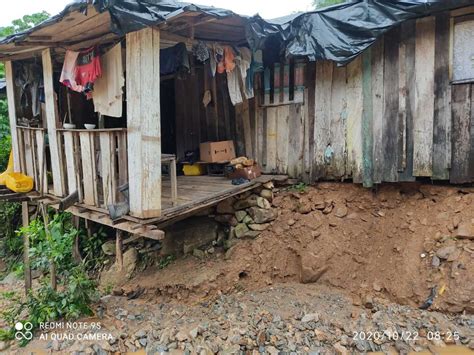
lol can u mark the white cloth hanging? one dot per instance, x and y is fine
(107, 94)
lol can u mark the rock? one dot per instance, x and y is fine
(226, 219)
(261, 337)
(304, 207)
(435, 262)
(263, 203)
(228, 244)
(251, 234)
(291, 222)
(267, 194)
(311, 269)
(315, 234)
(259, 227)
(35, 273)
(465, 230)
(193, 333)
(211, 250)
(341, 212)
(198, 253)
(444, 252)
(250, 201)
(340, 350)
(10, 279)
(268, 185)
(4, 345)
(143, 342)
(377, 286)
(225, 207)
(328, 208)
(247, 220)
(310, 317)
(240, 230)
(240, 215)
(260, 215)
(140, 334)
(116, 275)
(181, 336)
(187, 235)
(109, 247)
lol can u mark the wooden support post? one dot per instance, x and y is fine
(51, 119)
(76, 254)
(12, 114)
(143, 122)
(52, 265)
(26, 246)
(118, 249)
(174, 182)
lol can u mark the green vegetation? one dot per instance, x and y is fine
(75, 292)
(20, 25)
(10, 244)
(299, 187)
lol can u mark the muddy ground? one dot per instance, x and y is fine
(342, 269)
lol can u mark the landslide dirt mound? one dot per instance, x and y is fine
(399, 242)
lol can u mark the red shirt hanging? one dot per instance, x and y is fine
(88, 67)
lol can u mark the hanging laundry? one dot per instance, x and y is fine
(212, 61)
(28, 78)
(229, 58)
(201, 52)
(256, 65)
(174, 59)
(88, 69)
(245, 60)
(233, 84)
(68, 73)
(219, 55)
(107, 93)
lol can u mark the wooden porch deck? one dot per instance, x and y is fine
(195, 193)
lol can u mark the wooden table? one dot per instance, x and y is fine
(170, 159)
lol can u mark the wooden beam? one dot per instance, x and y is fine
(26, 246)
(143, 121)
(12, 114)
(51, 120)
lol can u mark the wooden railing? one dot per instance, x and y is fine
(32, 153)
(94, 164)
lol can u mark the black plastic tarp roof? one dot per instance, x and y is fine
(337, 33)
(341, 32)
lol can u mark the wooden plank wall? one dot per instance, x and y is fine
(390, 115)
(196, 123)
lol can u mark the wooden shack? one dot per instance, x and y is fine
(401, 110)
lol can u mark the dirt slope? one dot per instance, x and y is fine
(371, 243)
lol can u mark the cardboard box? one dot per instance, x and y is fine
(215, 152)
(248, 172)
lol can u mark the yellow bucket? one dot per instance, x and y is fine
(193, 169)
(19, 182)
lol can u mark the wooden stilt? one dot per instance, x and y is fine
(118, 249)
(52, 266)
(26, 246)
(76, 254)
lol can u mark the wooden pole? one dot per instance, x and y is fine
(118, 249)
(52, 266)
(26, 246)
(76, 254)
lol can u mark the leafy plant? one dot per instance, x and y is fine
(164, 262)
(299, 187)
(93, 258)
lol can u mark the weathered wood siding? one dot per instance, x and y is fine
(390, 115)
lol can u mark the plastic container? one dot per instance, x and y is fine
(194, 169)
(19, 182)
